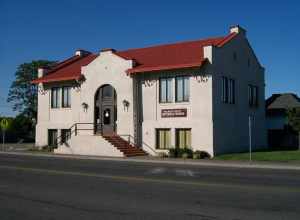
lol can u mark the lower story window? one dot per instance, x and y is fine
(163, 138)
(52, 137)
(65, 135)
(183, 138)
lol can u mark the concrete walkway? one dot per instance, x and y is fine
(157, 160)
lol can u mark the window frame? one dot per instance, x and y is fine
(177, 136)
(184, 77)
(253, 96)
(65, 135)
(166, 90)
(157, 133)
(51, 141)
(55, 104)
(68, 104)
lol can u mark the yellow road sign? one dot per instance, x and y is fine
(4, 124)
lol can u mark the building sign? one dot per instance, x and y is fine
(172, 113)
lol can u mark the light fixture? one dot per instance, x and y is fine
(85, 106)
(126, 104)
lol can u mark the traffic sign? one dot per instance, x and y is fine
(4, 124)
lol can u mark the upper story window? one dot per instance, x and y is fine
(165, 90)
(66, 97)
(252, 96)
(182, 89)
(228, 90)
(55, 97)
(234, 56)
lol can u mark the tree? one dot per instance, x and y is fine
(294, 121)
(22, 93)
(294, 118)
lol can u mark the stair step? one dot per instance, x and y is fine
(124, 146)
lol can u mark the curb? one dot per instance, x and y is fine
(247, 165)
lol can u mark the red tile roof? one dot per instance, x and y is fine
(171, 56)
(163, 57)
(69, 69)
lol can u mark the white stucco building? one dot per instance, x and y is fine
(196, 94)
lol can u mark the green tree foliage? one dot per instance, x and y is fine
(23, 94)
(294, 118)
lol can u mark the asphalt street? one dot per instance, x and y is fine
(33, 187)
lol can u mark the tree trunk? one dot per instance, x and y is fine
(299, 140)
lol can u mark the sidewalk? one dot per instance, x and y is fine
(156, 160)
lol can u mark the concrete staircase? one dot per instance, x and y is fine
(124, 146)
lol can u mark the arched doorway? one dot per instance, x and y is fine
(105, 110)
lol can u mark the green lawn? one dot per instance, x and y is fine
(282, 156)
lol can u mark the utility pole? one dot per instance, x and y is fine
(250, 138)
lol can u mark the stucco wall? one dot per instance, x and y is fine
(107, 68)
(231, 120)
(199, 109)
(55, 118)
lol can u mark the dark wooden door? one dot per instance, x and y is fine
(106, 116)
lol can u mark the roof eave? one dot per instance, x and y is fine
(162, 68)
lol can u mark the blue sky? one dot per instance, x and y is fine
(54, 29)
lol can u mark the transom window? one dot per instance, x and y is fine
(66, 97)
(183, 138)
(182, 89)
(163, 138)
(55, 97)
(165, 90)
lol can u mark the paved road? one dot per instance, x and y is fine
(54, 188)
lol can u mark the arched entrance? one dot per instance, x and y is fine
(105, 110)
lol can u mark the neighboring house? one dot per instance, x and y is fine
(280, 134)
(194, 94)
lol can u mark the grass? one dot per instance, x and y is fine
(275, 156)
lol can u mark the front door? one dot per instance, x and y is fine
(108, 123)
(105, 110)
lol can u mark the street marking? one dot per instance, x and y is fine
(184, 172)
(158, 170)
(152, 180)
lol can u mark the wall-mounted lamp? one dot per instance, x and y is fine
(85, 106)
(126, 104)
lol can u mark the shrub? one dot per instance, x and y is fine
(198, 154)
(185, 153)
(172, 152)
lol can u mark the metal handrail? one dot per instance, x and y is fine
(75, 131)
(130, 138)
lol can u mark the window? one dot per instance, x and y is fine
(252, 96)
(224, 89)
(228, 90)
(65, 135)
(182, 89)
(52, 137)
(183, 138)
(231, 91)
(55, 94)
(165, 90)
(66, 97)
(107, 91)
(234, 56)
(163, 138)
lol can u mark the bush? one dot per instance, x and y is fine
(173, 153)
(185, 153)
(198, 154)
